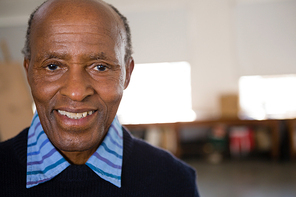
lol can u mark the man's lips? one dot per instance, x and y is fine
(76, 115)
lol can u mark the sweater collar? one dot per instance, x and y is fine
(44, 162)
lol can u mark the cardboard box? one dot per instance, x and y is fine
(229, 106)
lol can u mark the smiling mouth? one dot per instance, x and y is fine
(75, 115)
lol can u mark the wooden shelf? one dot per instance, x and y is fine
(273, 125)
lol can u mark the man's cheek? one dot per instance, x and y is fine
(43, 93)
(111, 94)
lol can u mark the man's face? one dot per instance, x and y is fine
(77, 75)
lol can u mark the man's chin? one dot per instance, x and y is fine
(76, 147)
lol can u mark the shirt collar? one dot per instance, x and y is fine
(44, 162)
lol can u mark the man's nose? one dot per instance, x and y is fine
(76, 85)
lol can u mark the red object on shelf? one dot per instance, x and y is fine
(241, 141)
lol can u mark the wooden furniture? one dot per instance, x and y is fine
(292, 137)
(273, 126)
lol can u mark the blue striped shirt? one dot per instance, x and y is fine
(44, 162)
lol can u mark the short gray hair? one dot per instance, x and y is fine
(128, 48)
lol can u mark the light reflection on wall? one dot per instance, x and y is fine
(158, 93)
(268, 97)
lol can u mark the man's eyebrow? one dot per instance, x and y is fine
(66, 56)
(98, 56)
(52, 55)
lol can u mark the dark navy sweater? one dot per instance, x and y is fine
(146, 171)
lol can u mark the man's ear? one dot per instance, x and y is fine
(26, 66)
(129, 67)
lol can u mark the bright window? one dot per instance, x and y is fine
(268, 97)
(158, 93)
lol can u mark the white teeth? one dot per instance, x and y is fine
(75, 115)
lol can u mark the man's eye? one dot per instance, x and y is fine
(101, 67)
(52, 67)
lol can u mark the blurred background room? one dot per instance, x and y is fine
(213, 84)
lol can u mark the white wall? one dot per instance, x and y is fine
(221, 39)
(266, 38)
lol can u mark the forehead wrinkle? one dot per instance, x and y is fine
(83, 37)
(83, 29)
(79, 28)
(89, 24)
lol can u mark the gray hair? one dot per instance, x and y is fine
(128, 47)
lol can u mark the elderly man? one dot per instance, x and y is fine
(78, 62)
